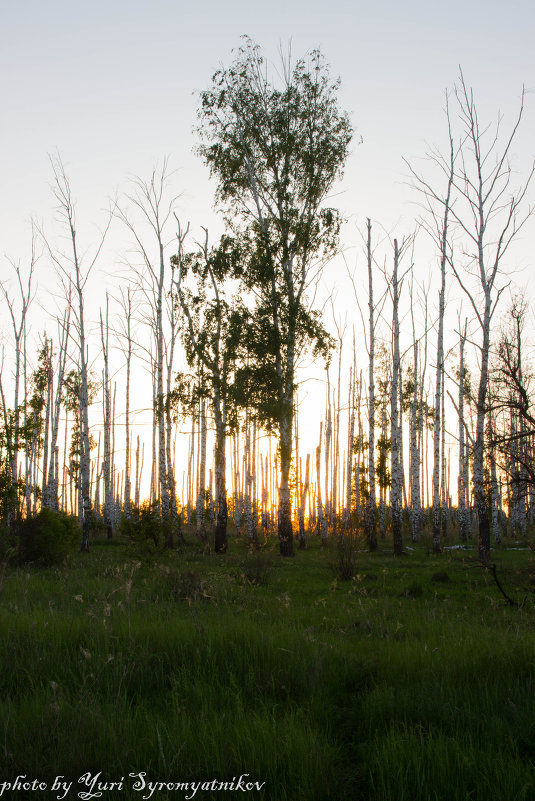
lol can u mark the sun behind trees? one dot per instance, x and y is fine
(221, 330)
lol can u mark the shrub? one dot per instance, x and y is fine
(257, 568)
(346, 564)
(8, 542)
(47, 538)
(145, 527)
(414, 590)
(185, 585)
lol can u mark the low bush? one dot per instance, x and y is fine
(346, 564)
(441, 575)
(47, 538)
(414, 590)
(185, 585)
(145, 526)
(257, 568)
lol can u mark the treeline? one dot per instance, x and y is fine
(221, 329)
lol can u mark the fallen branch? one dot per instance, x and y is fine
(492, 569)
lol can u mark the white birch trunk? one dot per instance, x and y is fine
(370, 519)
(200, 527)
(50, 497)
(106, 402)
(462, 481)
(395, 417)
(416, 506)
(350, 444)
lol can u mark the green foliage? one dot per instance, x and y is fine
(346, 562)
(71, 400)
(211, 325)
(428, 412)
(257, 567)
(145, 527)
(258, 379)
(382, 472)
(47, 538)
(414, 590)
(36, 402)
(467, 382)
(294, 136)
(441, 576)
(183, 399)
(364, 483)
(185, 585)
(8, 490)
(275, 152)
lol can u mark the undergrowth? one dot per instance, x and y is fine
(396, 680)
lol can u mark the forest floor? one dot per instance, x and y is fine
(182, 674)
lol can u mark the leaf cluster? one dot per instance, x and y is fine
(293, 137)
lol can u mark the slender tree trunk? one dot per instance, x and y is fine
(350, 445)
(328, 441)
(84, 420)
(416, 506)
(382, 462)
(201, 528)
(220, 469)
(107, 471)
(495, 503)
(285, 508)
(395, 417)
(462, 485)
(163, 487)
(370, 519)
(254, 485)
(302, 538)
(47, 416)
(479, 444)
(127, 482)
(50, 497)
(359, 459)
(319, 503)
(438, 422)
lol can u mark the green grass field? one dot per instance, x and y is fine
(413, 681)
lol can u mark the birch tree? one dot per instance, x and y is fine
(18, 318)
(211, 328)
(414, 461)
(490, 214)
(512, 400)
(436, 221)
(50, 495)
(155, 206)
(106, 406)
(371, 503)
(128, 303)
(396, 412)
(74, 271)
(275, 152)
(463, 505)
(439, 421)
(350, 440)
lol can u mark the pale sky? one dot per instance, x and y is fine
(111, 85)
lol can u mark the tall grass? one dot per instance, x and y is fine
(186, 667)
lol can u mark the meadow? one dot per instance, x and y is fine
(176, 674)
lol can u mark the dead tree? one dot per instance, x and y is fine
(74, 277)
